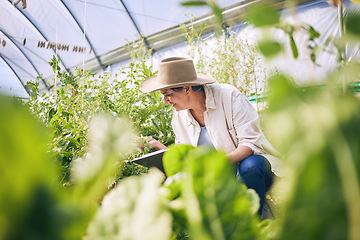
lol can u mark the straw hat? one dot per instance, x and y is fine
(175, 72)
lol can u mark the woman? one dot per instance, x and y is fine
(217, 115)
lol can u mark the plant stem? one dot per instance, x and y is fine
(341, 34)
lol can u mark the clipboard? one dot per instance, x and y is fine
(153, 159)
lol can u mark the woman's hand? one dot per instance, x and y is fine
(155, 144)
(152, 143)
(240, 153)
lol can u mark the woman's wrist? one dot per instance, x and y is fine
(159, 146)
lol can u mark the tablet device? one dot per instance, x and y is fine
(153, 159)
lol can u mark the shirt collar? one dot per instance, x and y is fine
(210, 100)
(210, 104)
(191, 120)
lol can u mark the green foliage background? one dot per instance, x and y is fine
(68, 109)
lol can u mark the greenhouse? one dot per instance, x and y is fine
(209, 119)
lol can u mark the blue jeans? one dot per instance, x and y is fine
(255, 172)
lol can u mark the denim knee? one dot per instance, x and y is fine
(255, 164)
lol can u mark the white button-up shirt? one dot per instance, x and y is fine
(231, 121)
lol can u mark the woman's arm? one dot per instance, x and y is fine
(246, 125)
(155, 144)
(240, 153)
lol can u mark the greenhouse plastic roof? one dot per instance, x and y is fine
(90, 34)
(79, 31)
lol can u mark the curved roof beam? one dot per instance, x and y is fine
(17, 76)
(27, 58)
(38, 30)
(137, 29)
(20, 67)
(82, 30)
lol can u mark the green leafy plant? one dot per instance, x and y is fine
(135, 209)
(316, 131)
(30, 197)
(208, 201)
(68, 109)
(33, 205)
(311, 127)
(212, 204)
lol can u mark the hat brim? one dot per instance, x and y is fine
(152, 84)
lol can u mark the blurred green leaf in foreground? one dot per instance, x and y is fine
(31, 203)
(212, 204)
(317, 132)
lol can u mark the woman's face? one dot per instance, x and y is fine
(178, 99)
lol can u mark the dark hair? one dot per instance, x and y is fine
(194, 88)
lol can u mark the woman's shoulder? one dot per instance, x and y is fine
(223, 89)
